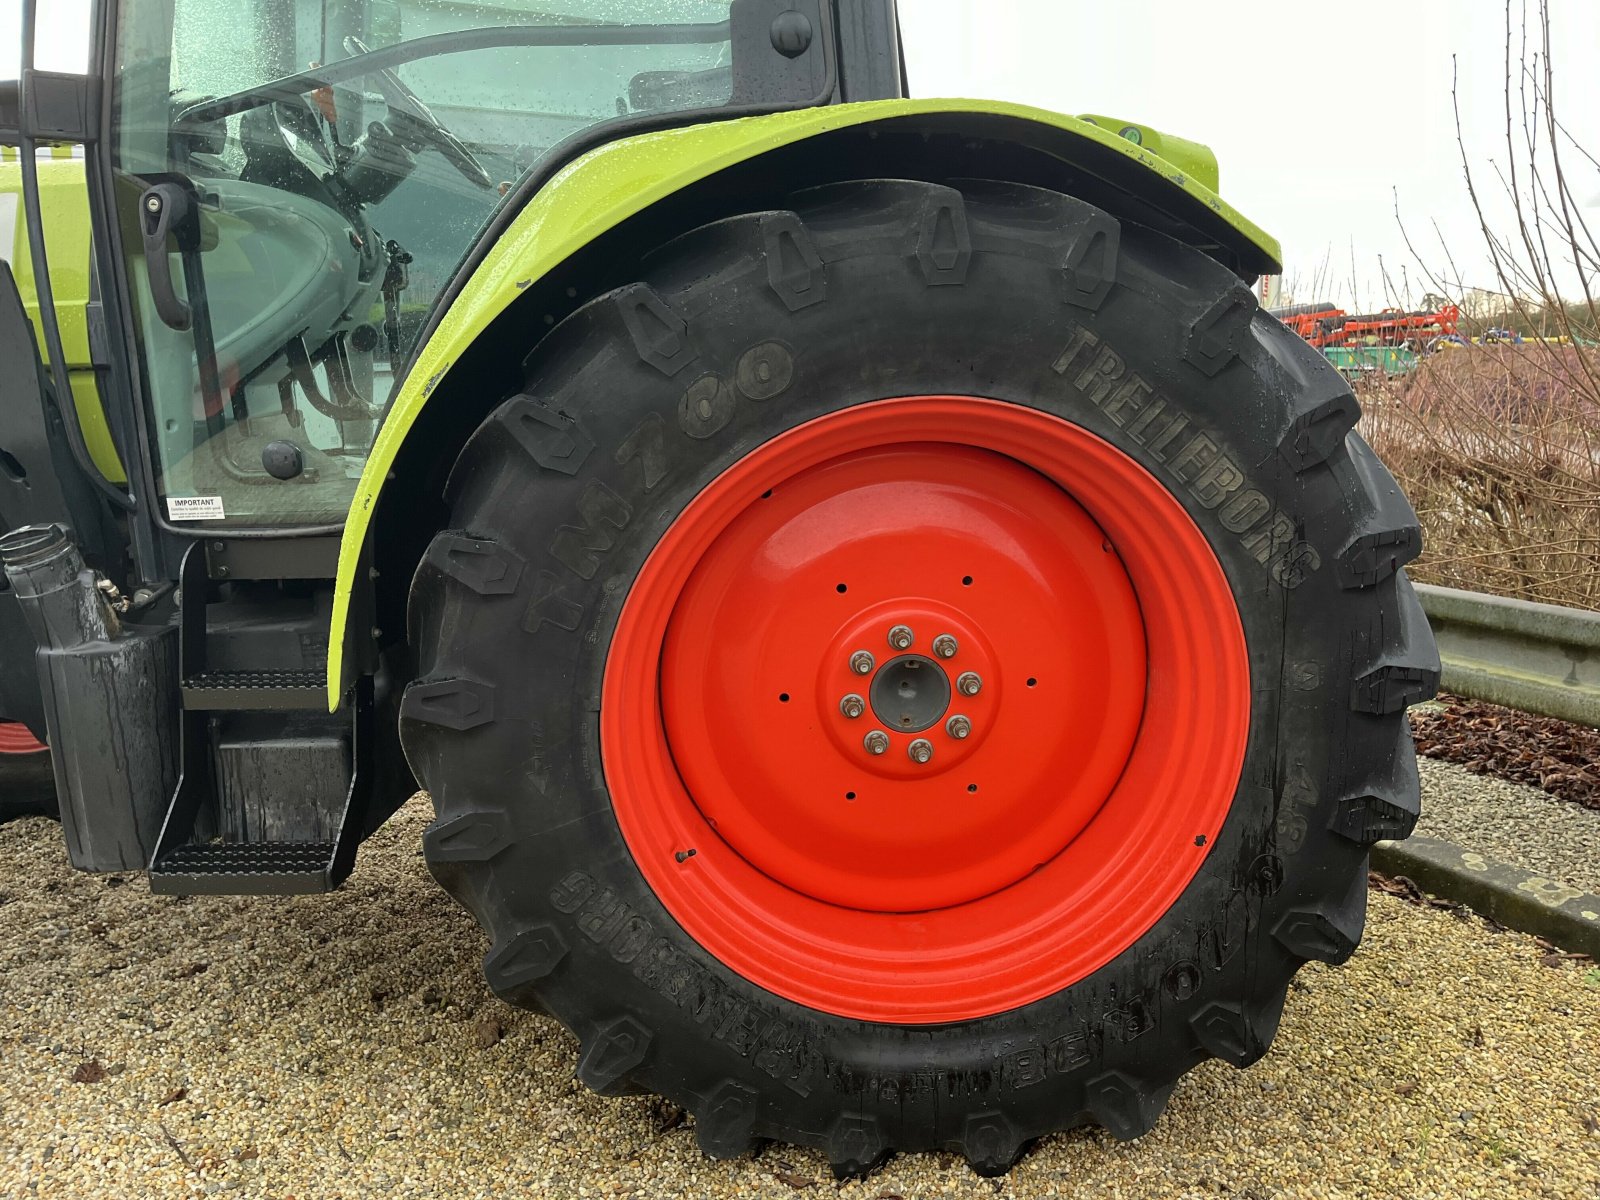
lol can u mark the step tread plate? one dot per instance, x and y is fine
(256, 690)
(244, 868)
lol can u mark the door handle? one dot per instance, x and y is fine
(167, 211)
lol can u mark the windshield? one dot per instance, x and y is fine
(342, 156)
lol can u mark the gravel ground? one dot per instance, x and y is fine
(1511, 822)
(345, 1046)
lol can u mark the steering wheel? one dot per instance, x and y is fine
(404, 101)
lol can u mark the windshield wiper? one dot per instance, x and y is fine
(433, 45)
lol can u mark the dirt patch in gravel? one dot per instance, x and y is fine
(1558, 757)
(346, 1046)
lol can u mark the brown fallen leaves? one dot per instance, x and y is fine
(487, 1033)
(1404, 888)
(1560, 757)
(665, 1116)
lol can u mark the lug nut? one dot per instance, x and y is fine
(920, 750)
(958, 727)
(945, 646)
(862, 662)
(968, 683)
(901, 637)
(876, 742)
(852, 706)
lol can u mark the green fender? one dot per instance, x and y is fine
(614, 182)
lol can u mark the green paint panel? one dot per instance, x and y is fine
(64, 199)
(1372, 360)
(1197, 161)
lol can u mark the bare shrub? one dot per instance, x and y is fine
(1496, 445)
(1499, 450)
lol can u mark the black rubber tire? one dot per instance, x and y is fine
(877, 289)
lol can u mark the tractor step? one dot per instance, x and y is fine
(246, 868)
(272, 798)
(260, 691)
(242, 797)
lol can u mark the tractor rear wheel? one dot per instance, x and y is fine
(920, 668)
(27, 786)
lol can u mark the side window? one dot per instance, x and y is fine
(325, 216)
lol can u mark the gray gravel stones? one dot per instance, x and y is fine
(336, 1047)
(1511, 822)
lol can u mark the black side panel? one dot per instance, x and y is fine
(870, 63)
(31, 491)
(113, 707)
(64, 107)
(19, 687)
(10, 112)
(110, 699)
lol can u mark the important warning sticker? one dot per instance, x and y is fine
(195, 508)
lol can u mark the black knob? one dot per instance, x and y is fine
(282, 460)
(791, 34)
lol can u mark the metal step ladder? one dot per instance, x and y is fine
(188, 862)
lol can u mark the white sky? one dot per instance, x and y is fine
(1320, 114)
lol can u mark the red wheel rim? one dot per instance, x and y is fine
(1102, 746)
(15, 739)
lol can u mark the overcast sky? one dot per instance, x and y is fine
(1321, 115)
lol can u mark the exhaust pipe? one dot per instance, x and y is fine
(110, 700)
(60, 601)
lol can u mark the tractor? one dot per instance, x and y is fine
(903, 651)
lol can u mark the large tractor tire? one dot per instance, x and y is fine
(918, 669)
(27, 786)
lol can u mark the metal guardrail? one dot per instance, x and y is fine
(1541, 658)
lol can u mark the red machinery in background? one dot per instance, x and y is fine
(1325, 325)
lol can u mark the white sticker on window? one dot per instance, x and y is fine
(8, 224)
(194, 508)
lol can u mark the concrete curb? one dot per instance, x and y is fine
(1531, 903)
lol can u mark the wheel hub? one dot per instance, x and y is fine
(910, 693)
